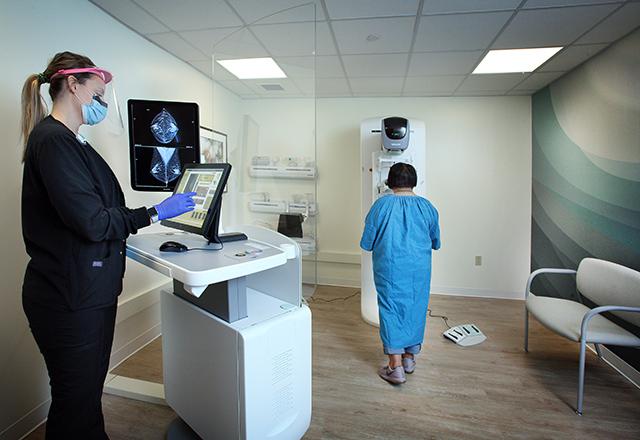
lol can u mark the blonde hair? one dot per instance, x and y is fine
(34, 108)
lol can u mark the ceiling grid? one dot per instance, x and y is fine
(379, 47)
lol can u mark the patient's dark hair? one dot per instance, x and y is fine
(402, 175)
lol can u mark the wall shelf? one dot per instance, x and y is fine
(283, 207)
(260, 171)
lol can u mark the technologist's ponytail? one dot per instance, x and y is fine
(34, 108)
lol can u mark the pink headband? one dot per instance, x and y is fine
(106, 76)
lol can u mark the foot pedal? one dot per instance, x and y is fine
(465, 335)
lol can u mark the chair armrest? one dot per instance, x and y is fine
(535, 273)
(602, 309)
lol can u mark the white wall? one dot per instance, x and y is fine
(31, 32)
(478, 176)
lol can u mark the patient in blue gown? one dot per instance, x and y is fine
(401, 229)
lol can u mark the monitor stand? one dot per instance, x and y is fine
(212, 234)
(232, 236)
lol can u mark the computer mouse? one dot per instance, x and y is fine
(173, 246)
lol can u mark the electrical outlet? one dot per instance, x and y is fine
(478, 260)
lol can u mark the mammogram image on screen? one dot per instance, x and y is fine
(165, 164)
(164, 127)
(164, 136)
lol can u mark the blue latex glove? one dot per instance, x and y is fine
(175, 205)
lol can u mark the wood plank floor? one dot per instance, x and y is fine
(493, 390)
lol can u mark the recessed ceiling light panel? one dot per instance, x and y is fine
(515, 60)
(253, 68)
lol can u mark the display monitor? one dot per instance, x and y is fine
(163, 138)
(207, 181)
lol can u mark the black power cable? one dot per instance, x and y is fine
(344, 298)
(444, 318)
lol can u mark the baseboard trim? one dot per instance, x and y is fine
(139, 302)
(618, 364)
(338, 282)
(136, 389)
(27, 423)
(478, 293)
(133, 346)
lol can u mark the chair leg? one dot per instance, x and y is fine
(583, 346)
(526, 330)
(598, 350)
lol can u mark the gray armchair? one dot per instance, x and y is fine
(614, 286)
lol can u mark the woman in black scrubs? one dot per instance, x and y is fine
(75, 224)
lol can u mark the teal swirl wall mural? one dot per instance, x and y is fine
(586, 187)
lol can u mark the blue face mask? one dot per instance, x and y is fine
(94, 112)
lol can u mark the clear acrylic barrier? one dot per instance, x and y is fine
(270, 127)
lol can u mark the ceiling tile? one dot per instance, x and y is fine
(297, 67)
(132, 15)
(205, 40)
(277, 11)
(191, 14)
(538, 80)
(236, 86)
(202, 66)
(571, 57)
(374, 86)
(332, 87)
(240, 44)
(370, 8)
(501, 82)
(420, 85)
(173, 43)
(443, 63)
(303, 67)
(376, 65)
(324, 40)
(530, 4)
(306, 85)
(521, 92)
(480, 93)
(448, 6)
(426, 94)
(288, 39)
(393, 35)
(328, 67)
(459, 31)
(616, 26)
(550, 27)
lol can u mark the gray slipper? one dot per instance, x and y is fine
(409, 365)
(394, 376)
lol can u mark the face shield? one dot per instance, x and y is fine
(114, 122)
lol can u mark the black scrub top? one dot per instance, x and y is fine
(74, 222)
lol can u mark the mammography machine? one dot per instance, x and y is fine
(383, 143)
(236, 338)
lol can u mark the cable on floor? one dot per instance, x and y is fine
(344, 298)
(444, 318)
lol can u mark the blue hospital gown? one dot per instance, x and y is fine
(401, 231)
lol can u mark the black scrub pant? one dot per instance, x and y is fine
(76, 347)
